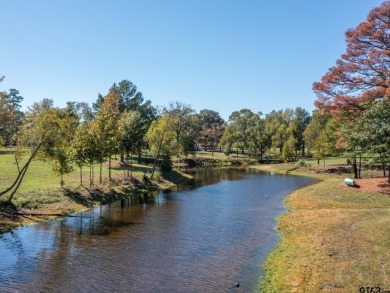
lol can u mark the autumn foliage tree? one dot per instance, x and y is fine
(362, 74)
(359, 82)
(107, 123)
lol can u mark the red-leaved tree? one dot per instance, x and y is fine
(362, 74)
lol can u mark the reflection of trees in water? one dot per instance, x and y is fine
(71, 238)
(17, 261)
(147, 236)
(55, 247)
(51, 246)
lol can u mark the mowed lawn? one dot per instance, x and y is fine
(334, 239)
(41, 184)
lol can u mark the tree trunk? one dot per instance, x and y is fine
(22, 172)
(131, 169)
(100, 172)
(17, 186)
(127, 164)
(355, 171)
(90, 174)
(158, 154)
(360, 166)
(384, 168)
(93, 175)
(109, 167)
(81, 175)
(17, 162)
(388, 180)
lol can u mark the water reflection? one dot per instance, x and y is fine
(194, 238)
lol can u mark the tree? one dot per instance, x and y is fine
(129, 99)
(10, 115)
(81, 109)
(370, 133)
(359, 81)
(161, 137)
(187, 126)
(93, 148)
(227, 141)
(327, 140)
(132, 129)
(132, 100)
(240, 124)
(376, 130)
(298, 125)
(313, 131)
(212, 128)
(43, 130)
(362, 74)
(107, 124)
(276, 126)
(59, 153)
(255, 135)
(288, 149)
(79, 147)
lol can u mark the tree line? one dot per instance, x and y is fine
(123, 123)
(352, 117)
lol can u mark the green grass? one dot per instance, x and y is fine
(42, 195)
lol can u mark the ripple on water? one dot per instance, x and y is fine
(201, 240)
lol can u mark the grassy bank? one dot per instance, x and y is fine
(41, 196)
(333, 239)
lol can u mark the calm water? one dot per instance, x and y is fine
(203, 237)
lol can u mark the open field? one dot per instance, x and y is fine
(333, 238)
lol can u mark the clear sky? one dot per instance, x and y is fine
(222, 55)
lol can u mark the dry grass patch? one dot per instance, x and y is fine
(334, 239)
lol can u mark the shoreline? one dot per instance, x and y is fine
(70, 200)
(331, 239)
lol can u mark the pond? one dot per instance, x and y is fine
(202, 237)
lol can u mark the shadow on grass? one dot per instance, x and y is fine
(6, 152)
(143, 169)
(176, 177)
(89, 197)
(123, 188)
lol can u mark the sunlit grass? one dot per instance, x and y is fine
(334, 238)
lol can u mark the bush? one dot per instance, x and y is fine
(301, 164)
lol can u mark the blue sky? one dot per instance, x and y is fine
(219, 55)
